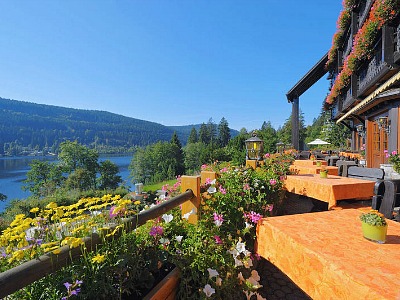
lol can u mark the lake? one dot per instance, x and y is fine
(13, 172)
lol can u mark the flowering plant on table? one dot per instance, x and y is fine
(374, 218)
(394, 158)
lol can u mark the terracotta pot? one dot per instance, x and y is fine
(373, 233)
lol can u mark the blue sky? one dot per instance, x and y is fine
(171, 62)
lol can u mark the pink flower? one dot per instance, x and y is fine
(208, 181)
(222, 190)
(156, 230)
(246, 187)
(269, 207)
(203, 167)
(272, 181)
(267, 155)
(223, 170)
(253, 217)
(394, 152)
(217, 239)
(218, 219)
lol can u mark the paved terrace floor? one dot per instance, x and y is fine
(276, 285)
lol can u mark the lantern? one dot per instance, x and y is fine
(254, 148)
(280, 147)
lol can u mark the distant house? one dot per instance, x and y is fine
(364, 69)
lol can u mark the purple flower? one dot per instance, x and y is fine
(218, 219)
(67, 285)
(156, 230)
(272, 181)
(217, 239)
(222, 190)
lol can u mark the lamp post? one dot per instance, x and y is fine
(254, 150)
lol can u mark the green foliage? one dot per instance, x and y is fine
(43, 178)
(108, 175)
(224, 134)
(269, 135)
(373, 218)
(193, 136)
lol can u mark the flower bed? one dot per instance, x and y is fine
(215, 256)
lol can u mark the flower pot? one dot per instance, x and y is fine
(323, 174)
(373, 233)
(318, 163)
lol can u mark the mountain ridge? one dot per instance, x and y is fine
(43, 126)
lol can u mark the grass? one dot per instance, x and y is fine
(158, 186)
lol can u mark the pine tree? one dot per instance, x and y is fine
(224, 134)
(193, 136)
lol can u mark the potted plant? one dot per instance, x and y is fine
(374, 226)
(323, 173)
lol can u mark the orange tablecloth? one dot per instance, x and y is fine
(313, 169)
(326, 255)
(350, 155)
(329, 189)
(309, 162)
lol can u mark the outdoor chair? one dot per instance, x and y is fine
(304, 155)
(374, 174)
(343, 166)
(387, 198)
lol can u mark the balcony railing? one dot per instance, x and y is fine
(364, 9)
(396, 44)
(348, 99)
(372, 71)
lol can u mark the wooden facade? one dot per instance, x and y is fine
(372, 97)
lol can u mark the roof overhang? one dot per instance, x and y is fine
(308, 80)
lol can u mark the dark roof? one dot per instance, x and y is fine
(312, 76)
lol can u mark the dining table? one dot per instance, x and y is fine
(313, 169)
(309, 162)
(331, 189)
(326, 255)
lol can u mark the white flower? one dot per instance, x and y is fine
(208, 290)
(241, 247)
(212, 273)
(238, 262)
(248, 263)
(179, 238)
(167, 218)
(254, 280)
(187, 215)
(212, 190)
(248, 225)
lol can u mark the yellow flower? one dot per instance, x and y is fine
(57, 251)
(98, 259)
(137, 202)
(51, 205)
(34, 210)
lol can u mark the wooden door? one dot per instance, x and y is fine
(378, 142)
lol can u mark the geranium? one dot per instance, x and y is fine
(393, 158)
(156, 230)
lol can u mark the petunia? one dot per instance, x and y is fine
(212, 273)
(208, 290)
(178, 238)
(167, 218)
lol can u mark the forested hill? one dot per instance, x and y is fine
(38, 126)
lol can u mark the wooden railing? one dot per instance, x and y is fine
(18, 277)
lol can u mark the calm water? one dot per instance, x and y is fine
(13, 172)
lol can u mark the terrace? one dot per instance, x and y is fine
(227, 204)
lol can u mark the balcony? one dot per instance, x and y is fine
(337, 109)
(348, 99)
(363, 11)
(372, 71)
(396, 44)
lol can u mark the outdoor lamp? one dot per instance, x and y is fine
(254, 147)
(384, 123)
(279, 147)
(360, 130)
